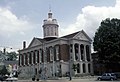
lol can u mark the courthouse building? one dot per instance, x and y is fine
(54, 56)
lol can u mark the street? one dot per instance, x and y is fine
(67, 80)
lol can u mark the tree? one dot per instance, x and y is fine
(107, 42)
(74, 67)
(12, 56)
(4, 70)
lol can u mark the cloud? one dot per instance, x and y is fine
(10, 24)
(90, 18)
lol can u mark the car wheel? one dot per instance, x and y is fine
(111, 79)
(99, 79)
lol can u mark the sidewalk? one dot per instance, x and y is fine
(65, 79)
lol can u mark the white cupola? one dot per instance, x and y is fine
(50, 27)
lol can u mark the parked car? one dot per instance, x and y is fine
(11, 79)
(3, 78)
(107, 76)
(117, 75)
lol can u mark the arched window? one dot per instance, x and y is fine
(37, 56)
(82, 52)
(30, 58)
(87, 52)
(51, 54)
(76, 52)
(40, 55)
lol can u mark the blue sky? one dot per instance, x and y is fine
(22, 19)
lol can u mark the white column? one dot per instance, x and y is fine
(73, 51)
(28, 58)
(81, 68)
(85, 53)
(91, 67)
(86, 67)
(40, 55)
(36, 57)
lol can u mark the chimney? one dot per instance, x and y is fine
(24, 44)
(4, 50)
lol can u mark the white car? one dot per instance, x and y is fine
(11, 79)
(107, 76)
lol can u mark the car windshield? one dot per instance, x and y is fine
(112, 74)
(104, 74)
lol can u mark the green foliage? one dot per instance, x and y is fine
(74, 67)
(107, 41)
(12, 56)
(4, 71)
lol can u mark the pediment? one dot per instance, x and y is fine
(35, 42)
(82, 36)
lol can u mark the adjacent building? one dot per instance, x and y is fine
(54, 56)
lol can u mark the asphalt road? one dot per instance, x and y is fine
(67, 80)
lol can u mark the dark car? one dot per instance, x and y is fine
(3, 78)
(117, 74)
(107, 76)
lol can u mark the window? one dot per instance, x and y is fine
(71, 48)
(30, 57)
(45, 55)
(88, 52)
(51, 54)
(37, 56)
(82, 52)
(47, 33)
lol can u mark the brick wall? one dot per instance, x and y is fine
(64, 52)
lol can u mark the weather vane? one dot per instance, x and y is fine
(49, 7)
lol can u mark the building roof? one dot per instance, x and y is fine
(66, 36)
(40, 39)
(70, 35)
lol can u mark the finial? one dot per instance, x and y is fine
(50, 13)
(49, 8)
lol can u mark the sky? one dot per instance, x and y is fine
(22, 20)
